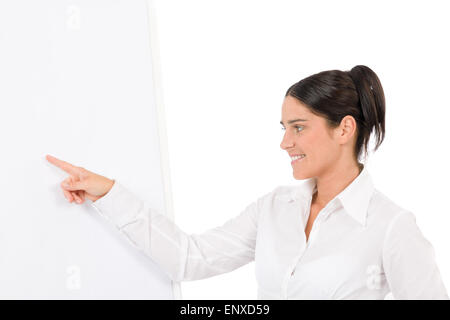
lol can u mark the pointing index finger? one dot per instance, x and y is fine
(69, 168)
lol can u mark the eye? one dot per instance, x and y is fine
(296, 127)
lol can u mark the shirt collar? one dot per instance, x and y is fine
(354, 198)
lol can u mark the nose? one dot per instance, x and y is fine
(286, 143)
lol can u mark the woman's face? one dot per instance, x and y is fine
(311, 138)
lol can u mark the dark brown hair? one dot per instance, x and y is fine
(333, 94)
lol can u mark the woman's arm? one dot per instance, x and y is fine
(182, 256)
(409, 261)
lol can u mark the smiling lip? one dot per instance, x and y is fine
(297, 160)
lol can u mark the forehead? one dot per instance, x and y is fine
(292, 107)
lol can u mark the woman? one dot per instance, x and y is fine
(333, 237)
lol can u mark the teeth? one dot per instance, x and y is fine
(297, 157)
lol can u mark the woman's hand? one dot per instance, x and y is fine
(81, 183)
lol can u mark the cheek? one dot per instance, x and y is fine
(319, 147)
(328, 151)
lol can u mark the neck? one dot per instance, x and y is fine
(333, 182)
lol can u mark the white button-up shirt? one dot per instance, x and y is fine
(361, 246)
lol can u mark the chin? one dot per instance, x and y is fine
(301, 176)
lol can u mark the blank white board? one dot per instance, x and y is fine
(78, 80)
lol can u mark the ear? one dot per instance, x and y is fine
(347, 129)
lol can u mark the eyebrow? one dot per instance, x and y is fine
(292, 121)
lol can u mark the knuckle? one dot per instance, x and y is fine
(82, 170)
(65, 182)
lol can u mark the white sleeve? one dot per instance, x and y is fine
(183, 257)
(409, 262)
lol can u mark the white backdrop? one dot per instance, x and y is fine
(76, 82)
(225, 68)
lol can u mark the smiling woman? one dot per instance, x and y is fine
(337, 111)
(356, 244)
(331, 116)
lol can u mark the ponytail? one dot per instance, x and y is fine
(372, 104)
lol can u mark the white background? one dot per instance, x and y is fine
(75, 82)
(226, 66)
